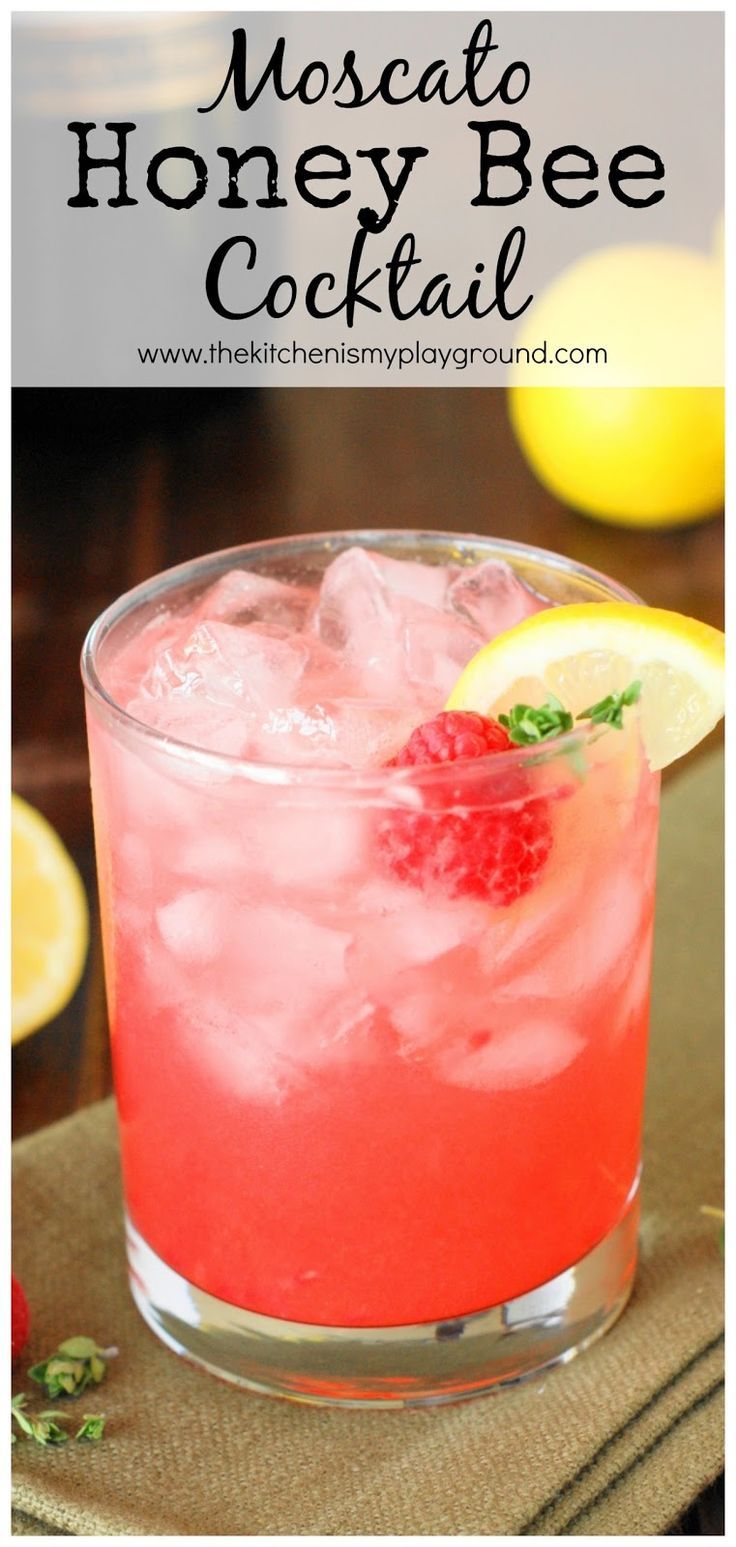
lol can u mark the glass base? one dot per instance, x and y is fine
(433, 1362)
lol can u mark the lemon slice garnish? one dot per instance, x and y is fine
(49, 921)
(583, 652)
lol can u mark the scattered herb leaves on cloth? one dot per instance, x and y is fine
(77, 1364)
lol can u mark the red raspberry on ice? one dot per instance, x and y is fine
(20, 1319)
(451, 735)
(497, 851)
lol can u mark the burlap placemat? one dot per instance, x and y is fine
(620, 1441)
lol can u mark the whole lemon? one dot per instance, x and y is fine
(636, 455)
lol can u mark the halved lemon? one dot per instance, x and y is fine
(49, 921)
(583, 652)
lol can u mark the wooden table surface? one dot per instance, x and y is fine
(111, 486)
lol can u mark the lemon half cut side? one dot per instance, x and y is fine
(49, 921)
(581, 653)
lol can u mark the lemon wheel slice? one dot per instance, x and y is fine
(49, 919)
(583, 652)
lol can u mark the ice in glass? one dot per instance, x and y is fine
(379, 1032)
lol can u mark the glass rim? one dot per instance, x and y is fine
(318, 775)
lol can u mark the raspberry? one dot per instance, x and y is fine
(494, 850)
(20, 1320)
(450, 736)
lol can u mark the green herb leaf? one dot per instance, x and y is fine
(610, 710)
(47, 1432)
(526, 725)
(43, 1429)
(17, 1404)
(92, 1428)
(37, 1372)
(60, 1376)
(78, 1348)
(77, 1364)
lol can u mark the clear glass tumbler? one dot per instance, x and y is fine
(379, 1146)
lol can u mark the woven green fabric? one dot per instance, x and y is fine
(618, 1442)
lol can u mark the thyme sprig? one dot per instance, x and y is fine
(526, 725)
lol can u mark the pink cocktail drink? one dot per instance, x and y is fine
(356, 1090)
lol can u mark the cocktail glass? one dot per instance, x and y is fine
(380, 1145)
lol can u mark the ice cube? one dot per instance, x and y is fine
(263, 1058)
(277, 1004)
(438, 1002)
(282, 960)
(359, 616)
(295, 735)
(212, 855)
(512, 1057)
(588, 942)
(250, 665)
(210, 690)
(337, 733)
(236, 1051)
(396, 929)
(194, 721)
(123, 673)
(436, 649)
(367, 733)
(492, 598)
(241, 596)
(300, 847)
(511, 939)
(385, 617)
(423, 583)
(193, 925)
